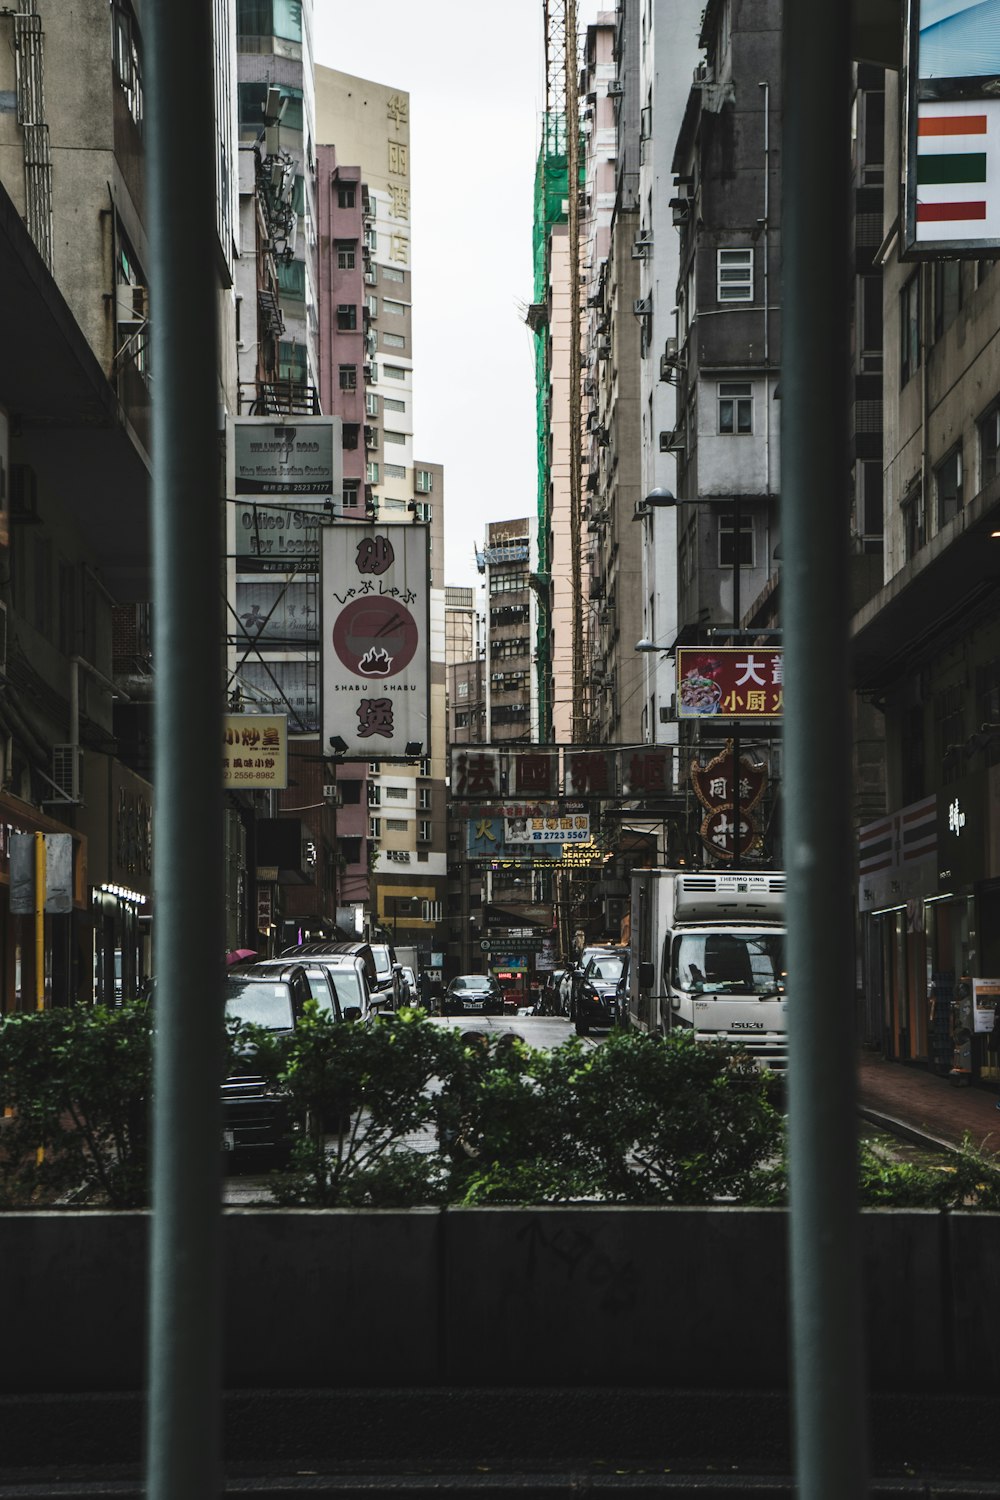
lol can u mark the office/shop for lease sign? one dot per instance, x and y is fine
(730, 682)
(376, 640)
(952, 128)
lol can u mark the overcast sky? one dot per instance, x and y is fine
(475, 76)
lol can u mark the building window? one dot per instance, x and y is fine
(352, 488)
(421, 510)
(735, 407)
(989, 446)
(394, 309)
(392, 404)
(734, 275)
(947, 294)
(345, 196)
(909, 328)
(914, 531)
(374, 767)
(263, 18)
(424, 795)
(346, 254)
(128, 60)
(948, 484)
(393, 341)
(374, 828)
(348, 377)
(424, 831)
(395, 471)
(727, 533)
(397, 793)
(393, 273)
(371, 404)
(292, 279)
(350, 438)
(394, 372)
(347, 316)
(394, 437)
(396, 825)
(869, 505)
(293, 363)
(371, 473)
(424, 481)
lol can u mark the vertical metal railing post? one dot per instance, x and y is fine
(185, 1272)
(828, 1367)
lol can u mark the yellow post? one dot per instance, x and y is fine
(39, 921)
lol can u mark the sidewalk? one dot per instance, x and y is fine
(925, 1106)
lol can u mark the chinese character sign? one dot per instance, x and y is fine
(302, 457)
(375, 636)
(255, 750)
(730, 682)
(569, 828)
(952, 134)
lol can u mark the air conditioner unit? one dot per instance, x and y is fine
(672, 442)
(642, 305)
(615, 88)
(66, 763)
(371, 276)
(683, 188)
(604, 348)
(703, 73)
(370, 373)
(670, 349)
(131, 303)
(642, 245)
(333, 793)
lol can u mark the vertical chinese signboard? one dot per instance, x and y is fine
(255, 751)
(376, 639)
(952, 128)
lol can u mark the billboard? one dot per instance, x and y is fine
(951, 128)
(730, 682)
(255, 751)
(375, 639)
(303, 456)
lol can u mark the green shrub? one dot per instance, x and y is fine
(78, 1081)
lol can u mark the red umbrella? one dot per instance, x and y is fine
(239, 956)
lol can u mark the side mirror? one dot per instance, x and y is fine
(645, 976)
(675, 1001)
(351, 1013)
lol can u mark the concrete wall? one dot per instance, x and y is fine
(687, 1299)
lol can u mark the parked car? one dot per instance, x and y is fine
(324, 986)
(595, 988)
(354, 974)
(411, 991)
(256, 1128)
(472, 992)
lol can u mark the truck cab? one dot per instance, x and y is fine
(707, 953)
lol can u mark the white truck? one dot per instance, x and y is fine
(707, 952)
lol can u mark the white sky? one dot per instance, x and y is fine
(475, 76)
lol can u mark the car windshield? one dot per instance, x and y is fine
(260, 1002)
(608, 966)
(348, 985)
(383, 963)
(726, 963)
(470, 982)
(320, 986)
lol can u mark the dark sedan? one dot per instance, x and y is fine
(595, 991)
(472, 992)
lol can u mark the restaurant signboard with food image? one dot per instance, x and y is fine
(376, 634)
(729, 682)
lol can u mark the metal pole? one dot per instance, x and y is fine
(183, 1443)
(737, 863)
(827, 1344)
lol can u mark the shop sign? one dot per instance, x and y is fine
(255, 751)
(985, 997)
(730, 682)
(375, 637)
(897, 856)
(265, 907)
(574, 828)
(951, 62)
(961, 832)
(301, 457)
(718, 791)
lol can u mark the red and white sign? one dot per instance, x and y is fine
(730, 682)
(376, 638)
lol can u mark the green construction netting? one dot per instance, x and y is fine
(551, 193)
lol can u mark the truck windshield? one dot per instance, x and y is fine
(727, 963)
